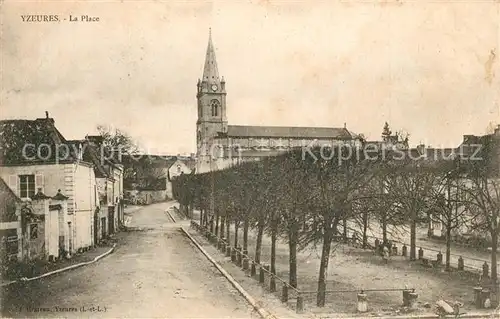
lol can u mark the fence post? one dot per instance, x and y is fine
(261, 274)
(253, 270)
(406, 298)
(233, 254)
(404, 250)
(420, 253)
(362, 302)
(412, 299)
(228, 250)
(485, 295)
(477, 297)
(240, 256)
(300, 304)
(460, 263)
(245, 263)
(272, 283)
(377, 243)
(284, 294)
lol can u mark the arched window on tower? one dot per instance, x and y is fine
(215, 107)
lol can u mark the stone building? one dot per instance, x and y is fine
(220, 145)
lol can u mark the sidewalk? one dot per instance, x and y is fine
(87, 256)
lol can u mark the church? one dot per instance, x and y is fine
(220, 145)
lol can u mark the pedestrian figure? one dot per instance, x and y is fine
(355, 238)
(385, 254)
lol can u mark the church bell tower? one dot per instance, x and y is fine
(211, 98)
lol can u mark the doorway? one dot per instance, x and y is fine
(103, 227)
(111, 219)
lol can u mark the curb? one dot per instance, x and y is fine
(170, 215)
(261, 311)
(423, 316)
(50, 273)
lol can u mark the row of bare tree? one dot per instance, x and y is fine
(305, 197)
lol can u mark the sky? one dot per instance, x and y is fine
(429, 68)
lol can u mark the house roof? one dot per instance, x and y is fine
(288, 132)
(484, 150)
(20, 140)
(189, 162)
(92, 154)
(157, 161)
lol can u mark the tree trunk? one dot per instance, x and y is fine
(384, 228)
(413, 238)
(323, 268)
(258, 245)
(494, 247)
(274, 235)
(365, 228)
(236, 227)
(205, 217)
(245, 234)
(216, 224)
(201, 217)
(344, 234)
(429, 227)
(222, 223)
(448, 246)
(293, 238)
(228, 233)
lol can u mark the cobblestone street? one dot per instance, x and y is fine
(154, 272)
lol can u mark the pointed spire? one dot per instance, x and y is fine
(210, 71)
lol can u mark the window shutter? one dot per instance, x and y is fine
(13, 184)
(38, 183)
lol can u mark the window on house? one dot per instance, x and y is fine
(27, 186)
(215, 107)
(33, 231)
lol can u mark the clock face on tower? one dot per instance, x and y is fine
(214, 87)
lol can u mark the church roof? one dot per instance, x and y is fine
(210, 71)
(288, 132)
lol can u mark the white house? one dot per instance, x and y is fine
(177, 168)
(34, 158)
